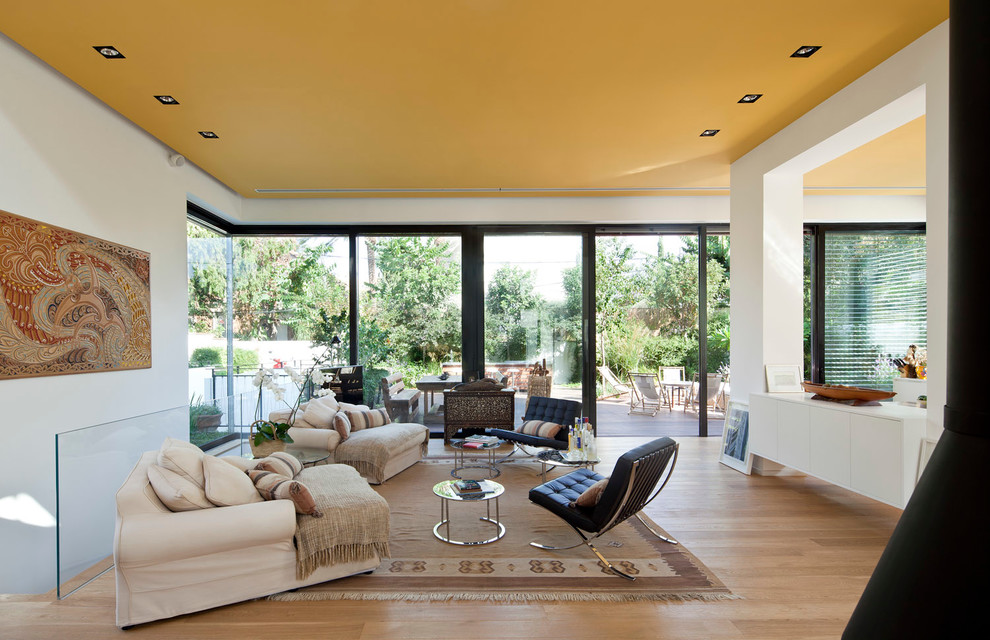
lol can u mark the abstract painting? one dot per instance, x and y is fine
(70, 303)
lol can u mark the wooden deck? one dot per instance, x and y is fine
(614, 419)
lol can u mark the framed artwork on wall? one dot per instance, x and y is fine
(71, 303)
(734, 451)
(784, 378)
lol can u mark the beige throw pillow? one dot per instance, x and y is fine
(281, 463)
(367, 419)
(273, 486)
(540, 428)
(592, 494)
(184, 459)
(226, 485)
(175, 491)
(320, 412)
(342, 424)
(244, 464)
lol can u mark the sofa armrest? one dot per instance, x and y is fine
(279, 415)
(317, 438)
(161, 537)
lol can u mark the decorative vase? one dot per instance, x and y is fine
(267, 447)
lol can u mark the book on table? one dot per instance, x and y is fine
(472, 487)
(483, 439)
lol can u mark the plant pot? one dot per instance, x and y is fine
(206, 422)
(267, 447)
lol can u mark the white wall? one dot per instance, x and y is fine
(913, 81)
(68, 160)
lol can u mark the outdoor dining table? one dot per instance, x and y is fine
(431, 384)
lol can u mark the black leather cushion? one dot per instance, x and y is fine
(556, 495)
(554, 410)
(533, 441)
(612, 494)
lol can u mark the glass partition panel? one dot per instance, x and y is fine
(91, 464)
(533, 288)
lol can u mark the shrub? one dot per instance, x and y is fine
(246, 358)
(206, 357)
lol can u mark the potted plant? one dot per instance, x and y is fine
(923, 402)
(268, 436)
(203, 415)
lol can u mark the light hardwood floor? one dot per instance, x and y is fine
(797, 550)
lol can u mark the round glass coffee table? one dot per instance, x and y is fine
(554, 458)
(445, 490)
(460, 463)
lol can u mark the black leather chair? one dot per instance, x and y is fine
(549, 410)
(635, 482)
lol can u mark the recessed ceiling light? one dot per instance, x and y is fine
(208, 134)
(708, 133)
(166, 100)
(750, 98)
(805, 51)
(109, 52)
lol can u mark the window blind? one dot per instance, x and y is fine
(875, 303)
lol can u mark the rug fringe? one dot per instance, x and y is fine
(340, 554)
(505, 597)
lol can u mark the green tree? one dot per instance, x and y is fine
(414, 298)
(511, 292)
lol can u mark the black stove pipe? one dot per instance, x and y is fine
(933, 579)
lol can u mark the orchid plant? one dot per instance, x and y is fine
(267, 378)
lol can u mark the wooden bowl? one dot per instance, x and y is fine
(856, 396)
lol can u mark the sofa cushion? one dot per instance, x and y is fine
(175, 491)
(273, 486)
(184, 459)
(244, 464)
(347, 406)
(367, 419)
(342, 424)
(320, 412)
(540, 428)
(281, 463)
(226, 485)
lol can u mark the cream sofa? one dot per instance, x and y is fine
(171, 563)
(312, 427)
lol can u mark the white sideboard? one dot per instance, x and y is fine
(870, 450)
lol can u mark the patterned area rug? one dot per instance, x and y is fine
(424, 568)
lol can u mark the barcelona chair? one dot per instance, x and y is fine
(639, 475)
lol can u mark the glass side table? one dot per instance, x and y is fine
(553, 458)
(447, 494)
(479, 463)
(306, 455)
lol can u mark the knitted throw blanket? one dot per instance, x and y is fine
(369, 450)
(355, 525)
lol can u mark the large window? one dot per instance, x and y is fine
(464, 300)
(647, 321)
(875, 304)
(410, 308)
(533, 310)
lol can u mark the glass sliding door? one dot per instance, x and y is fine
(410, 311)
(533, 295)
(647, 332)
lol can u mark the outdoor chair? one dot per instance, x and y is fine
(556, 410)
(612, 380)
(632, 486)
(647, 395)
(693, 400)
(477, 405)
(402, 404)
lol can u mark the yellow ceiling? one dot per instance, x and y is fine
(364, 95)
(893, 163)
